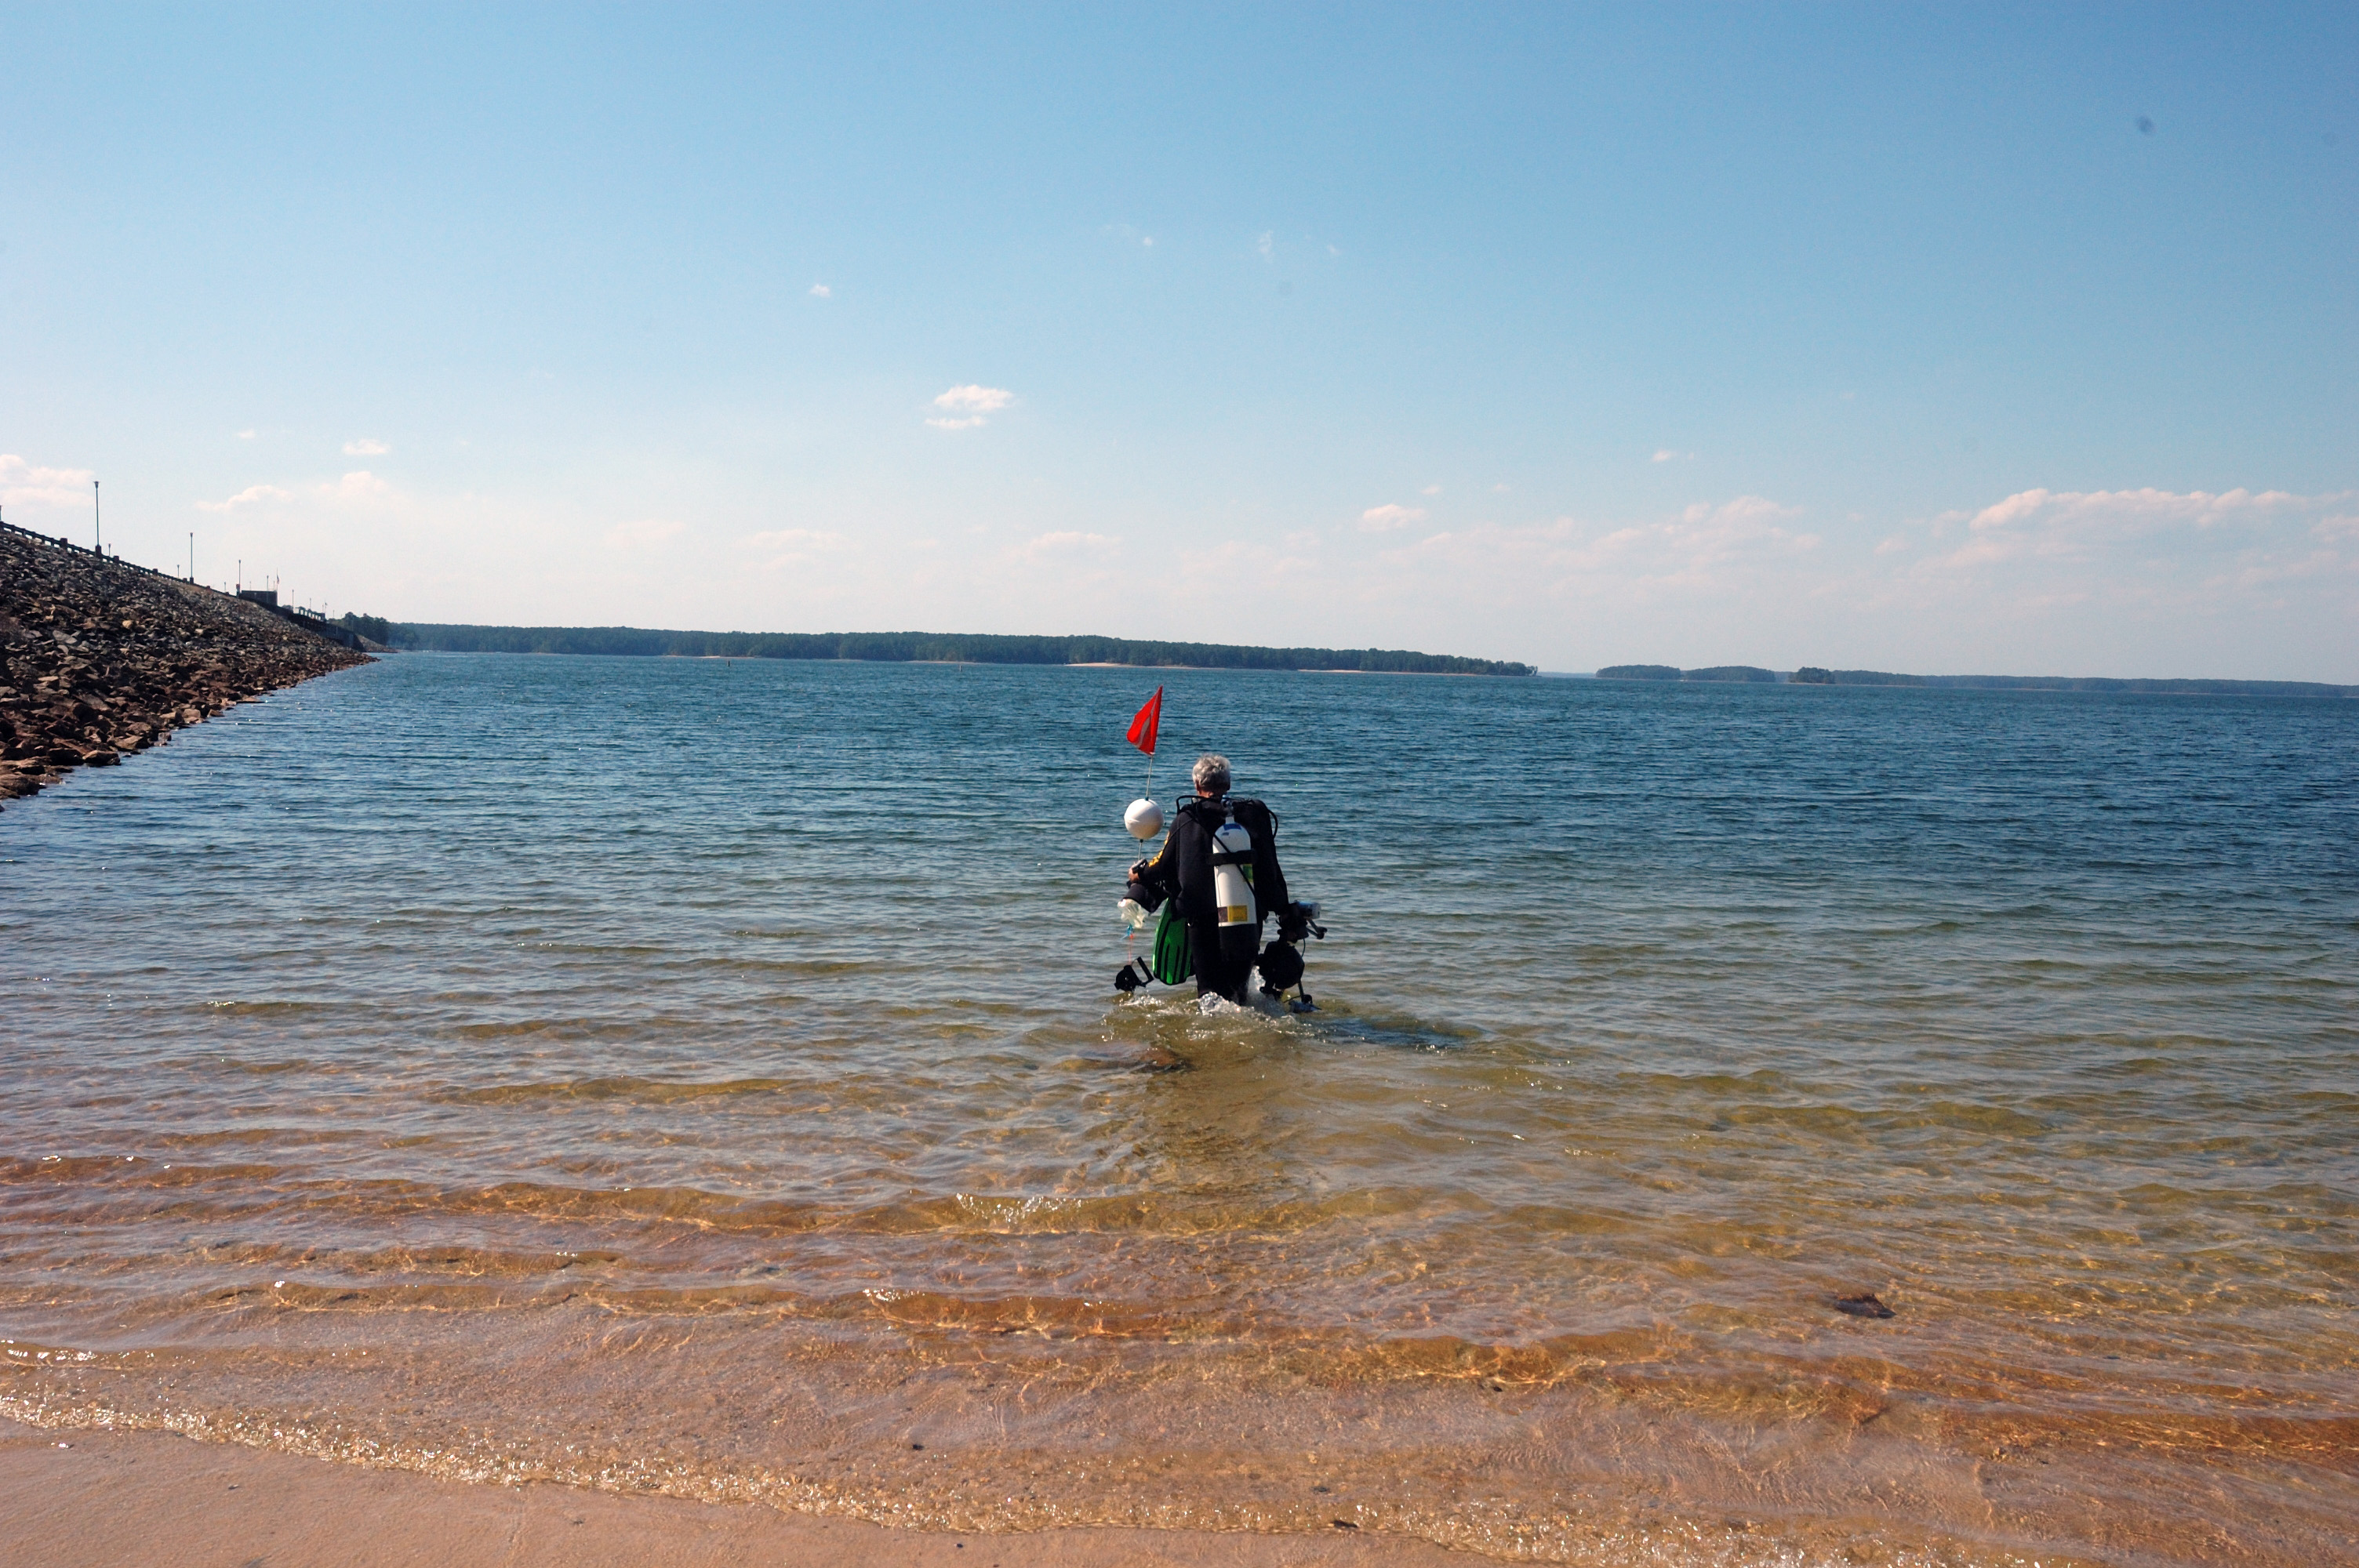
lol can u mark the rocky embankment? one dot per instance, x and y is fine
(98, 659)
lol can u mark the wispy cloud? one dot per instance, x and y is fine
(2075, 525)
(1666, 455)
(1267, 244)
(787, 548)
(246, 497)
(1431, 490)
(1067, 542)
(645, 533)
(366, 447)
(23, 484)
(1381, 519)
(246, 435)
(358, 485)
(821, 291)
(1707, 550)
(964, 408)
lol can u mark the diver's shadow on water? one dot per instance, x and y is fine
(1394, 1034)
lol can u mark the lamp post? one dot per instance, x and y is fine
(97, 539)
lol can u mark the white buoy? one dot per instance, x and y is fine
(1145, 819)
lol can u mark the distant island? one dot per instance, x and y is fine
(915, 647)
(1810, 675)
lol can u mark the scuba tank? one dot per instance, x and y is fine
(1233, 895)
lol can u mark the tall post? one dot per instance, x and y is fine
(193, 555)
(97, 539)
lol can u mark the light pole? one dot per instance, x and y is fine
(97, 539)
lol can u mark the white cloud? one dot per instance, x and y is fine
(1067, 542)
(1378, 519)
(784, 538)
(2218, 585)
(793, 547)
(821, 291)
(1669, 456)
(355, 485)
(250, 494)
(967, 405)
(1722, 551)
(366, 447)
(2078, 525)
(978, 399)
(2143, 581)
(645, 533)
(246, 435)
(1431, 490)
(1267, 244)
(29, 484)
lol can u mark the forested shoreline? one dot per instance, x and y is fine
(918, 647)
(1810, 675)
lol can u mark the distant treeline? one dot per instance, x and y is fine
(1810, 675)
(909, 647)
(1672, 672)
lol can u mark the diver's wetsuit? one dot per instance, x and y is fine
(1184, 869)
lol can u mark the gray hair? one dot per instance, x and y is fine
(1211, 775)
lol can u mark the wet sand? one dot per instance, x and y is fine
(108, 1498)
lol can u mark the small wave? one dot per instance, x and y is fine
(217, 1137)
(1934, 1113)
(1179, 1214)
(647, 1091)
(123, 1170)
(275, 1008)
(261, 1069)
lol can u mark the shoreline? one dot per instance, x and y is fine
(84, 1497)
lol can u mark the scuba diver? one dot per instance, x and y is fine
(1220, 863)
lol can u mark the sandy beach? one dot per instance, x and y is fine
(95, 1499)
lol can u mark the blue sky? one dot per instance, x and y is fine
(1972, 340)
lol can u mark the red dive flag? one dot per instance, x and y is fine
(1149, 719)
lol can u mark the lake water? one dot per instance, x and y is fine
(705, 1077)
